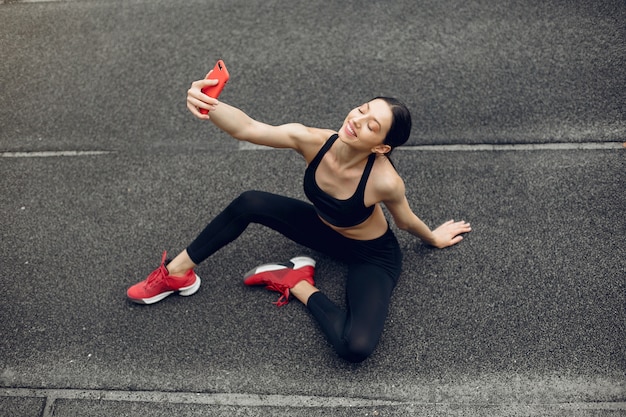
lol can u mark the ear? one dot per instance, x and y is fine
(381, 149)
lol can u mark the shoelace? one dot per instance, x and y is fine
(158, 274)
(283, 290)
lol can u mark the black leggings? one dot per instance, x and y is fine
(373, 265)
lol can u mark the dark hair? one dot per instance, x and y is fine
(400, 123)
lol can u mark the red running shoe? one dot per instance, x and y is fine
(160, 284)
(282, 277)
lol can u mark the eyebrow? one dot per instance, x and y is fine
(376, 120)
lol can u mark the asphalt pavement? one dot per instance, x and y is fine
(519, 127)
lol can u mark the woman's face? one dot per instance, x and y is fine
(367, 125)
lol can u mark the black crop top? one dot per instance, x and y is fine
(340, 213)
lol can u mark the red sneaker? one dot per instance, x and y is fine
(160, 284)
(282, 277)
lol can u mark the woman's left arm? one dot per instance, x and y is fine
(448, 234)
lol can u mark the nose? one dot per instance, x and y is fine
(358, 119)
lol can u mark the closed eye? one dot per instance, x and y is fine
(374, 126)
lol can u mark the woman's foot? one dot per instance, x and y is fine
(281, 277)
(161, 284)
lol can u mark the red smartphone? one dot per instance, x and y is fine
(219, 73)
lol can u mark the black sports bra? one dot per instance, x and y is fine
(340, 213)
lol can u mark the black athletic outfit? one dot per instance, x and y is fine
(373, 265)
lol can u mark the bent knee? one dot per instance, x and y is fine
(248, 201)
(250, 197)
(357, 350)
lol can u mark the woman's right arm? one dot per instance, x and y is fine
(242, 127)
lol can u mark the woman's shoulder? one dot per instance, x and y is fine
(318, 135)
(313, 140)
(386, 179)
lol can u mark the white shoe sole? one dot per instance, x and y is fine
(298, 262)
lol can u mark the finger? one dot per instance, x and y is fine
(460, 222)
(210, 104)
(196, 88)
(196, 92)
(462, 226)
(210, 81)
(204, 83)
(196, 112)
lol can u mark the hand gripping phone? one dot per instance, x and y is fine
(219, 73)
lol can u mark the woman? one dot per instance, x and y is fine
(348, 176)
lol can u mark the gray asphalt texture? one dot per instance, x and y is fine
(526, 317)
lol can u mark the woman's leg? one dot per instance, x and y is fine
(180, 264)
(295, 219)
(355, 333)
(277, 212)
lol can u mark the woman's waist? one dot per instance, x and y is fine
(374, 227)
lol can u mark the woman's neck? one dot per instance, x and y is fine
(346, 156)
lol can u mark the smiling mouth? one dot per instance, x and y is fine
(350, 130)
